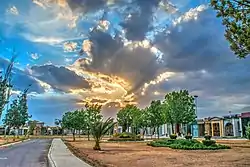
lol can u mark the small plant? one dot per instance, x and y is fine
(116, 135)
(208, 142)
(207, 137)
(173, 136)
(188, 137)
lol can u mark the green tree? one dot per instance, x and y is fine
(156, 115)
(144, 120)
(82, 120)
(235, 16)
(100, 129)
(23, 108)
(70, 121)
(73, 121)
(13, 117)
(58, 124)
(32, 125)
(125, 116)
(5, 86)
(179, 108)
(137, 119)
(93, 115)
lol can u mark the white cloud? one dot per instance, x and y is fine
(191, 14)
(34, 56)
(13, 10)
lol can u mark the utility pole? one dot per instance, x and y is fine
(196, 105)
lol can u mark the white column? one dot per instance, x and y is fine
(233, 122)
(241, 132)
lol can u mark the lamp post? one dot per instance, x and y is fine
(196, 112)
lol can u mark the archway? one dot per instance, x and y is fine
(229, 129)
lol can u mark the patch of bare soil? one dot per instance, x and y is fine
(140, 155)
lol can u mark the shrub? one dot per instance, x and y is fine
(188, 137)
(191, 144)
(116, 135)
(207, 137)
(208, 142)
(173, 136)
(127, 135)
(125, 139)
(248, 131)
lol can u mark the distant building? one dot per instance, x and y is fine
(226, 126)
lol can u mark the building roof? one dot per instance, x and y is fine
(245, 115)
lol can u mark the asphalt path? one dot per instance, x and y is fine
(32, 153)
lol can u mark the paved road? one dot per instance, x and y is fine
(31, 153)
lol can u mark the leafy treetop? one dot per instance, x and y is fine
(235, 16)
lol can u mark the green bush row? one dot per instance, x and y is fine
(125, 139)
(126, 135)
(191, 144)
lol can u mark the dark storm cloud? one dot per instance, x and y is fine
(199, 45)
(199, 54)
(59, 78)
(23, 76)
(196, 44)
(140, 21)
(109, 56)
(103, 49)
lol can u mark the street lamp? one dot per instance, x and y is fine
(195, 98)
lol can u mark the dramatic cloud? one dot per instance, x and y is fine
(118, 52)
(21, 79)
(59, 77)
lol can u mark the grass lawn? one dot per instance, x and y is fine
(132, 154)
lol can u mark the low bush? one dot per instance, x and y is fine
(191, 144)
(126, 135)
(188, 137)
(209, 142)
(207, 137)
(173, 136)
(125, 139)
(116, 135)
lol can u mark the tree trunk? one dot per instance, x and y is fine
(151, 131)
(124, 127)
(172, 125)
(143, 132)
(14, 134)
(17, 136)
(178, 128)
(74, 138)
(88, 134)
(158, 130)
(62, 132)
(97, 145)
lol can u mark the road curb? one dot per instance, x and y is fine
(11, 144)
(51, 162)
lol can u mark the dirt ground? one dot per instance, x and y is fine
(8, 140)
(140, 155)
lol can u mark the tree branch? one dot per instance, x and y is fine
(247, 3)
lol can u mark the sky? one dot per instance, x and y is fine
(118, 52)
